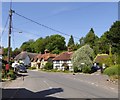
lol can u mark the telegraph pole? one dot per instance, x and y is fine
(9, 35)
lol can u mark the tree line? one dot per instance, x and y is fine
(56, 43)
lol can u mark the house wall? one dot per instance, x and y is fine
(58, 64)
(43, 63)
(0, 56)
(34, 64)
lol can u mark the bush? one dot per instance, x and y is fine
(86, 69)
(113, 70)
(48, 66)
(11, 74)
(75, 69)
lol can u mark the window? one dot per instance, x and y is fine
(57, 61)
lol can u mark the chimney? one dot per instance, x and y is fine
(69, 49)
(46, 51)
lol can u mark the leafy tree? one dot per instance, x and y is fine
(26, 46)
(83, 56)
(104, 43)
(114, 36)
(55, 41)
(39, 45)
(15, 52)
(5, 50)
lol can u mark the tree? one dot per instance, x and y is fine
(15, 52)
(5, 50)
(83, 57)
(28, 46)
(90, 38)
(39, 45)
(114, 36)
(71, 41)
(55, 42)
(82, 42)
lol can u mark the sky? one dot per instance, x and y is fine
(72, 18)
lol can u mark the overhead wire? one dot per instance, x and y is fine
(43, 25)
(23, 31)
(5, 26)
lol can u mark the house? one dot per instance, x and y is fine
(1, 53)
(101, 59)
(25, 57)
(40, 60)
(63, 61)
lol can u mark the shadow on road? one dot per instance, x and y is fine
(22, 93)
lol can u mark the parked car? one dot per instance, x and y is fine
(21, 68)
(95, 68)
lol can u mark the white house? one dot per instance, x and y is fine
(25, 57)
(40, 60)
(1, 53)
(63, 61)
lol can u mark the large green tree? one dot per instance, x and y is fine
(114, 36)
(83, 55)
(71, 41)
(39, 45)
(91, 38)
(55, 42)
(28, 46)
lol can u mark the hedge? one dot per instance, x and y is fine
(113, 70)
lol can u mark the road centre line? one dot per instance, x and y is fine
(47, 84)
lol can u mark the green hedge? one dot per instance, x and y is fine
(48, 66)
(113, 70)
(86, 69)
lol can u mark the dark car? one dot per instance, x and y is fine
(21, 68)
(94, 68)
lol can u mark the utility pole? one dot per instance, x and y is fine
(9, 35)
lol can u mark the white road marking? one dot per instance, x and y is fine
(47, 84)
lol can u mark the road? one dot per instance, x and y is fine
(37, 84)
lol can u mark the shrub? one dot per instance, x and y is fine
(11, 74)
(75, 69)
(86, 69)
(113, 70)
(48, 66)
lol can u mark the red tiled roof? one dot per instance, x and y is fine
(64, 56)
(45, 56)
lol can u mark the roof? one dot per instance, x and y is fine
(100, 57)
(64, 56)
(45, 56)
(24, 54)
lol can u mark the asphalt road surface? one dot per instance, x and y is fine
(36, 84)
